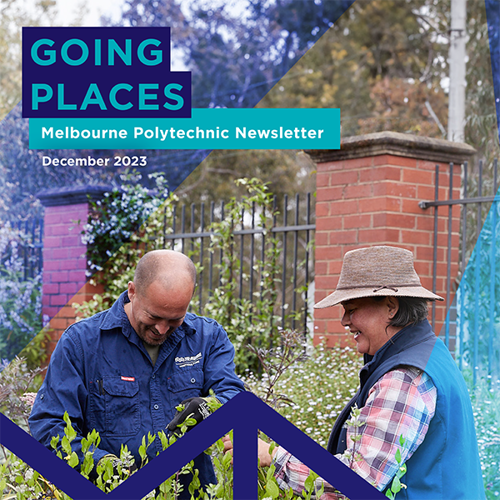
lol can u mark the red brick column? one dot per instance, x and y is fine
(64, 255)
(368, 193)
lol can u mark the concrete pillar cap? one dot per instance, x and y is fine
(397, 144)
(72, 195)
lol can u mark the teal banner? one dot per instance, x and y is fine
(220, 128)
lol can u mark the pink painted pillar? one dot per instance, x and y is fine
(64, 254)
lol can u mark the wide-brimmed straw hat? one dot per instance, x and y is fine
(377, 272)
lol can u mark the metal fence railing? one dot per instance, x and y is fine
(293, 225)
(472, 325)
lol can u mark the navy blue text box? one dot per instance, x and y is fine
(102, 73)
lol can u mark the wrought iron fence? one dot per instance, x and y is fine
(293, 225)
(29, 240)
(472, 326)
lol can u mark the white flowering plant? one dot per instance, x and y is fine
(314, 388)
(116, 218)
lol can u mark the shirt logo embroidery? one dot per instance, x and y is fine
(129, 379)
(188, 360)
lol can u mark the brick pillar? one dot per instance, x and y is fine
(64, 254)
(368, 193)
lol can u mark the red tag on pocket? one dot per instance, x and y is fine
(129, 379)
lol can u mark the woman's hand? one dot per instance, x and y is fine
(265, 458)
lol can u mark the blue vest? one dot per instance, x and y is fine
(446, 465)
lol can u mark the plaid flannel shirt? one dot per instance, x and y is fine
(401, 403)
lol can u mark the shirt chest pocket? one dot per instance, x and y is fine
(115, 407)
(185, 384)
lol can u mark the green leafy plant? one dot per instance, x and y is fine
(246, 322)
(354, 423)
(17, 480)
(396, 484)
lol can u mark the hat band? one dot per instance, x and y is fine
(394, 288)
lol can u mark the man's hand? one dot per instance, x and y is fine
(265, 458)
(197, 408)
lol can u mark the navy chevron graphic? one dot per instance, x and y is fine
(245, 414)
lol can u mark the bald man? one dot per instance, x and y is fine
(123, 371)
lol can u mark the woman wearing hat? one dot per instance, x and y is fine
(410, 386)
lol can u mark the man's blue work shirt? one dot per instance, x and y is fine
(101, 374)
